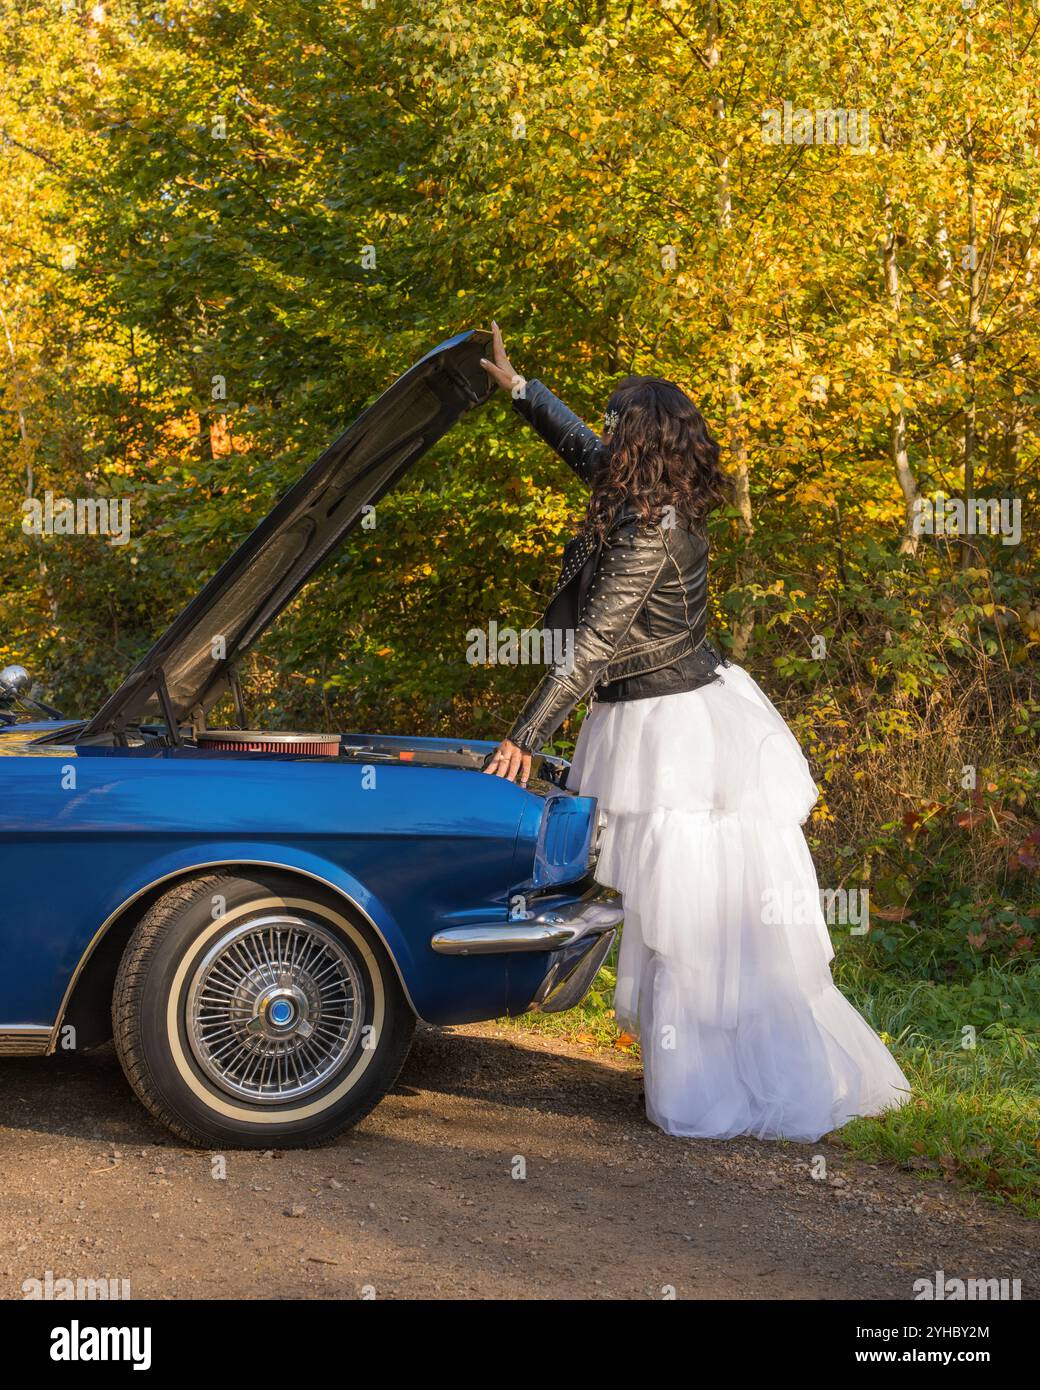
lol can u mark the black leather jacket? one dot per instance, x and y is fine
(630, 608)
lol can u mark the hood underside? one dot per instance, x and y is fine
(192, 664)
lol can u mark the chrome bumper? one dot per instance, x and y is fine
(597, 912)
(579, 936)
(572, 972)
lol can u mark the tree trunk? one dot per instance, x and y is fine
(968, 547)
(897, 425)
(744, 624)
(30, 480)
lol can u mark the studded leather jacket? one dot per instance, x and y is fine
(628, 611)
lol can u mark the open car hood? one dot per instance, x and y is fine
(181, 677)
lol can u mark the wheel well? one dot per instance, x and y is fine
(88, 1008)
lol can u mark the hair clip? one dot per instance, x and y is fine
(610, 420)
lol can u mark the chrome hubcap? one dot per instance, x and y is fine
(274, 1009)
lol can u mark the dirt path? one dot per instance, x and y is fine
(421, 1201)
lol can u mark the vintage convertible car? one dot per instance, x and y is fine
(258, 918)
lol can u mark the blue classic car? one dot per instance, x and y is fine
(258, 918)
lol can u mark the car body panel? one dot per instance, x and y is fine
(417, 850)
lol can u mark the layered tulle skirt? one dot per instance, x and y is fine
(724, 971)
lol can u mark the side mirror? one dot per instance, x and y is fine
(15, 682)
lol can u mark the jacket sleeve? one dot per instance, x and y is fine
(561, 429)
(629, 566)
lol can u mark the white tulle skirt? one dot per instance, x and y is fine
(724, 971)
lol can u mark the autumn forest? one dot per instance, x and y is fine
(224, 228)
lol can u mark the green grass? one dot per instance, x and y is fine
(974, 1116)
(975, 1110)
(592, 1023)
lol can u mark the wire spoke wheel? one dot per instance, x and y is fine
(274, 1009)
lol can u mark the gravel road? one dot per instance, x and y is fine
(504, 1165)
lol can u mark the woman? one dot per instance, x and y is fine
(724, 966)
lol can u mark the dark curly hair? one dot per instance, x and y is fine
(658, 453)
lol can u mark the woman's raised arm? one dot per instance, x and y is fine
(579, 447)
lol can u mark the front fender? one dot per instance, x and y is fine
(439, 848)
(220, 855)
(440, 990)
